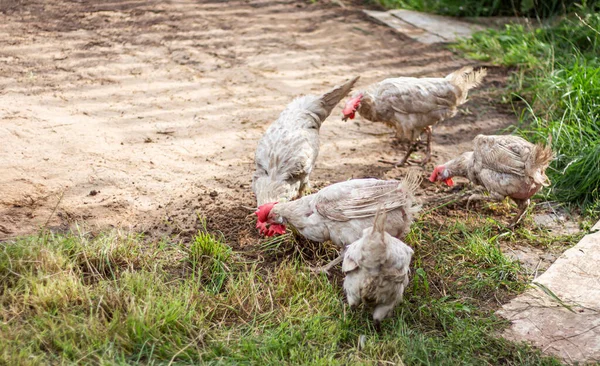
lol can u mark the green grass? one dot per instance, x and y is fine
(557, 76)
(120, 299)
(476, 8)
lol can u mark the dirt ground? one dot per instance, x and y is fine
(145, 114)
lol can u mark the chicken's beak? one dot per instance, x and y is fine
(345, 118)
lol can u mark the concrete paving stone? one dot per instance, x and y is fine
(561, 313)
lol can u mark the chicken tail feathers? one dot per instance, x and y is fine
(409, 186)
(379, 223)
(541, 158)
(374, 248)
(329, 100)
(467, 78)
(411, 182)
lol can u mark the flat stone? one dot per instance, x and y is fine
(416, 33)
(561, 313)
(533, 259)
(425, 28)
(557, 223)
(430, 28)
(448, 28)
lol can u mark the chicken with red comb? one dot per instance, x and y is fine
(287, 152)
(340, 212)
(507, 166)
(413, 105)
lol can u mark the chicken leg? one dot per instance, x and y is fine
(483, 197)
(411, 149)
(325, 269)
(522, 205)
(305, 188)
(428, 130)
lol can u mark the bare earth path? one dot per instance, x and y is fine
(133, 113)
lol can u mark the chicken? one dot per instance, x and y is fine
(507, 166)
(287, 152)
(341, 211)
(376, 268)
(413, 105)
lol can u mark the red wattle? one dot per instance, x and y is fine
(276, 229)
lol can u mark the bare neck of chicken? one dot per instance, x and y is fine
(459, 166)
(367, 108)
(295, 212)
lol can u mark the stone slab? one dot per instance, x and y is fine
(561, 313)
(425, 28)
(403, 27)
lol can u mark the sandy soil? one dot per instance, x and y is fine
(145, 114)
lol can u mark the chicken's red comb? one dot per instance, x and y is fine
(263, 211)
(352, 105)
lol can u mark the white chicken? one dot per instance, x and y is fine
(413, 105)
(507, 166)
(376, 268)
(341, 211)
(287, 152)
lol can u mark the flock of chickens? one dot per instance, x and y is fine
(367, 218)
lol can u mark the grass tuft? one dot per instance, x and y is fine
(208, 258)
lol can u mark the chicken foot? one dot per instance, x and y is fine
(428, 130)
(305, 189)
(412, 147)
(325, 269)
(483, 197)
(522, 205)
